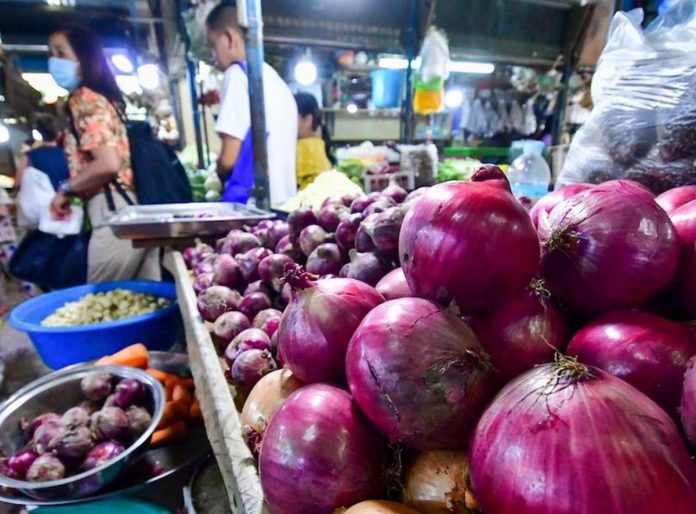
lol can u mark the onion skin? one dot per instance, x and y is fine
(609, 247)
(216, 300)
(647, 351)
(393, 285)
(318, 323)
(688, 404)
(419, 374)
(311, 237)
(674, 198)
(683, 287)
(325, 259)
(524, 332)
(437, 482)
(582, 445)
(250, 366)
(368, 267)
(264, 400)
(380, 507)
(227, 327)
(319, 444)
(547, 202)
(445, 244)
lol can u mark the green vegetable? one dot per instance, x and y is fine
(457, 169)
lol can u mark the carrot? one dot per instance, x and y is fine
(180, 394)
(175, 432)
(168, 393)
(170, 380)
(195, 410)
(173, 413)
(135, 356)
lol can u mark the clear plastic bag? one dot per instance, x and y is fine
(643, 125)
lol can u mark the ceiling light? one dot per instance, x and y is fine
(122, 63)
(36, 135)
(482, 68)
(306, 72)
(454, 98)
(352, 108)
(148, 76)
(44, 84)
(4, 134)
(128, 84)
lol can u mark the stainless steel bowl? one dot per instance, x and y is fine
(58, 392)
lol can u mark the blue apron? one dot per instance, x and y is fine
(240, 183)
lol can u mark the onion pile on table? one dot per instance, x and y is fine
(54, 446)
(484, 361)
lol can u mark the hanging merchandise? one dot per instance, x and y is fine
(530, 121)
(477, 118)
(643, 124)
(429, 96)
(503, 115)
(516, 117)
(493, 125)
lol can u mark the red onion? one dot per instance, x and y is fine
(194, 255)
(277, 231)
(361, 203)
(318, 323)
(299, 219)
(139, 420)
(363, 239)
(446, 244)
(346, 230)
(332, 200)
(331, 215)
(102, 453)
(437, 482)
(547, 202)
(238, 241)
(286, 247)
(311, 237)
(380, 507)
(249, 339)
(674, 198)
(228, 326)
(217, 300)
(264, 400)
(109, 423)
(368, 267)
(564, 438)
(683, 287)
(417, 193)
(254, 303)
(20, 462)
(418, 373)
(258, 286)
(96, 386)
(393, 285)
(524, 332)
(249, 263)
(325, 259)
(319, 443)
(259, 253)
(206, 266)
(284, 297)
(268, 320)
(226, 272)
(688, 403)
(272, 267)
(608, 247)
(75, 417)
(129, 391)
(349, 198)
(645, 350)
(219, 243)
(203, 282)
(385, 230)
(43, 435)
(71, 442)
(396, 193)
(250, 366)
(46, 468)
(30, 427)
(378, 207)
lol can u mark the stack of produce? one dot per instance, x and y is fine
(517, 363)
(205, 184)
(112, 416)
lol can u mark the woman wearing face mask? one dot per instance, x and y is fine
(98, 154)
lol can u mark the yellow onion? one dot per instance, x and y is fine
(377, 507)
(437, 482)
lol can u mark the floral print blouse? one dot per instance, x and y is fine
(98, 124)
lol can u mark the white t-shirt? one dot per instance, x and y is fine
(281, 125)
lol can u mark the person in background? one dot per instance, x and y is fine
(235, 165)
(313, 152)
(45, 155)
(98, 154)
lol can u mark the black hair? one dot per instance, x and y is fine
(223, 16)
(307, 105)
(96, 74)
(46, 125)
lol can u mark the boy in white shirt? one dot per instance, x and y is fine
(235, 164)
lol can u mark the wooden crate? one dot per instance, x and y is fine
(222, 421)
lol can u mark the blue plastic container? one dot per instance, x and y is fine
(386, 88)
(59, 347)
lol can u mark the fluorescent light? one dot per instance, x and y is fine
(4, 134)
(482, 68)
(122, 63)
(306, 72)
(44, 84)
(352, 108)
(148, 76)
(393, 63)
(36, 135)
(454, 98)
(128, 84)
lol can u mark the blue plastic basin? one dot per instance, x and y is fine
(59, 347)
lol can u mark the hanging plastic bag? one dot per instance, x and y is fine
(429, 96)
(35, 195)
(643, 125)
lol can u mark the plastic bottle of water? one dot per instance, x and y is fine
(529, 174)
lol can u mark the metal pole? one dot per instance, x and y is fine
(411, 43)
(255, 59)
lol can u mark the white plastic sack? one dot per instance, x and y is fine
(643, 125)
(35, 195)
(434, 56)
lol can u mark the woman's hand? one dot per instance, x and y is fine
(60, 206)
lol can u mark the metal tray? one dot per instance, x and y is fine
(183, 220)
(169, 459)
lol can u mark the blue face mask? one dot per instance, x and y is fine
(64, 72)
